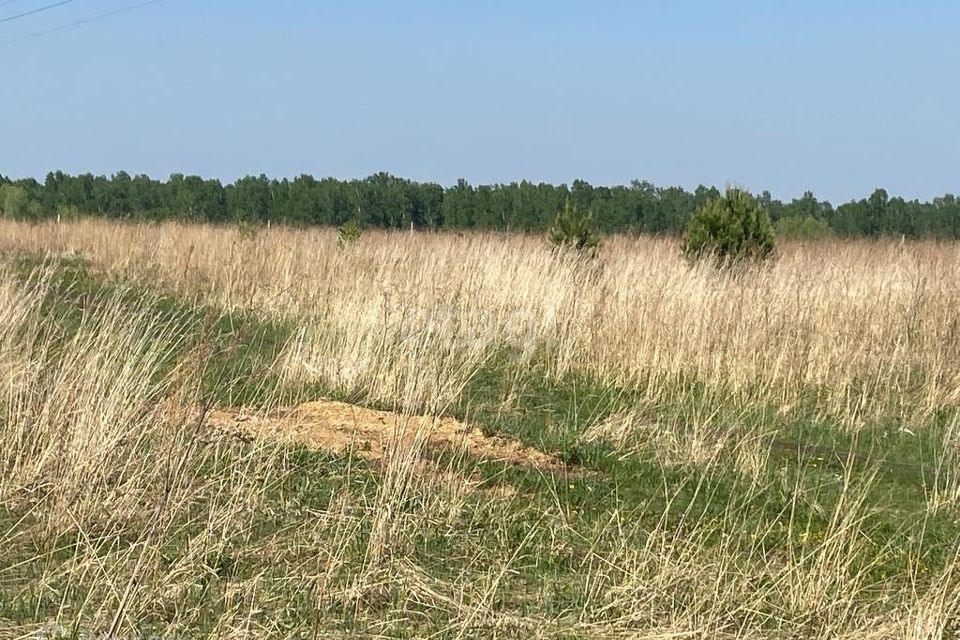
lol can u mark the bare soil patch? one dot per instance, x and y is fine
(342, 427)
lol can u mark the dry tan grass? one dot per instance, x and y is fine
(80, 414)
(873, 327)
(96, 445)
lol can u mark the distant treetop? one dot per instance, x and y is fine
(386, 201)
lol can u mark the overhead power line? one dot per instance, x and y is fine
(70, 25)
(33, 11)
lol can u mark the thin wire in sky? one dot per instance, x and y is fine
(33, 11)
(70, 25)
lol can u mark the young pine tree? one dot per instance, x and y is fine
(348, 233)
(730, 229)
(572, 230)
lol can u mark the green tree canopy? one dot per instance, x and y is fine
(384, 200)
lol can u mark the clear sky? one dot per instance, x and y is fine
(836, 97)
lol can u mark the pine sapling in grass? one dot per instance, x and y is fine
(348, 233)
(572, 230)
(729, 230)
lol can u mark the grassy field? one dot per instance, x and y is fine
(646, 449)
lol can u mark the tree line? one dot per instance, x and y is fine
(384, 200)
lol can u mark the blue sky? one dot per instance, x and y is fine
(835, 97)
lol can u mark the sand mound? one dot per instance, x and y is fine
(340, 427)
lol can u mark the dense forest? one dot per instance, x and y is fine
(383, 200)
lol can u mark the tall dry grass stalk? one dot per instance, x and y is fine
(127, 510)
(97, 444)
(101, 459)
(81, 407)
(866, 328)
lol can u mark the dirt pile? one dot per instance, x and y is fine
(340, 427)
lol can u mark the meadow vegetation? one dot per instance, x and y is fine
(770, 452)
